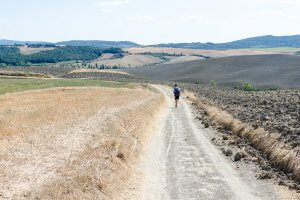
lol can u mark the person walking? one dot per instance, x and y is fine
(176, 92)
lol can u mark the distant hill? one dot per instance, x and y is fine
(91, 43)
(281, 71)
(99, 43)
(15, 42)
(267, 41)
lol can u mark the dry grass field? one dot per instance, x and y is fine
(97, 71)
(210, 53)
(72, 143)
(30, 50)
(4, 73)
(129, 61)
(9, 85)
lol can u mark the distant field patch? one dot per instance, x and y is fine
(19, 85)
(97, 71)
(31, 50)
(23, 74)
(278, 49)
(183, 59)
(129, 61)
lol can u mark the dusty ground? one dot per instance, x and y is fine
(72, 143)
(210, 53)
(182, 163)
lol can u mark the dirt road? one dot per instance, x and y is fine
(182, 163)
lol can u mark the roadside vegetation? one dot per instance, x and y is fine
(213, 83)
(248, 87)
(268, 119)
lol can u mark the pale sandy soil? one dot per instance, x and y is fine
(183, 59)
(72, 143)
(211, 53)
(30, 50)
(129, 61)
(105, 56)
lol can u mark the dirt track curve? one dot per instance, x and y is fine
(182, 163)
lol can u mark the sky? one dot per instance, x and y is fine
(147, 21)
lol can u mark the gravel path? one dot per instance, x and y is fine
(182, 163)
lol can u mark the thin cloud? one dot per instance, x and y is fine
(112, 3)
(282, 2)
(271, 13)
(192, 19)
(142, 18)
(3, 21)
(106, 10)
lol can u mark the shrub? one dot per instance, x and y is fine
(248, 87)
(213, 83)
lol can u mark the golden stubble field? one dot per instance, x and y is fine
(72, 143)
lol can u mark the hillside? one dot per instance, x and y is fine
(99, 43)
(13, 56)
(267, 41)
(91, 43)
(13, 42)
(261, 70)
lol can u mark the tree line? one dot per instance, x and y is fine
(11, 56)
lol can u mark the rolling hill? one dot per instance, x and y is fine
(282, 71)
(91, 43)
(15, 42)
(99, 43)
(267, 41)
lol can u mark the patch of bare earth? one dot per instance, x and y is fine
(183, 59)
(72, 143)
(31, 50)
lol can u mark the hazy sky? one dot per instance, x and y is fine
(147, 21)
